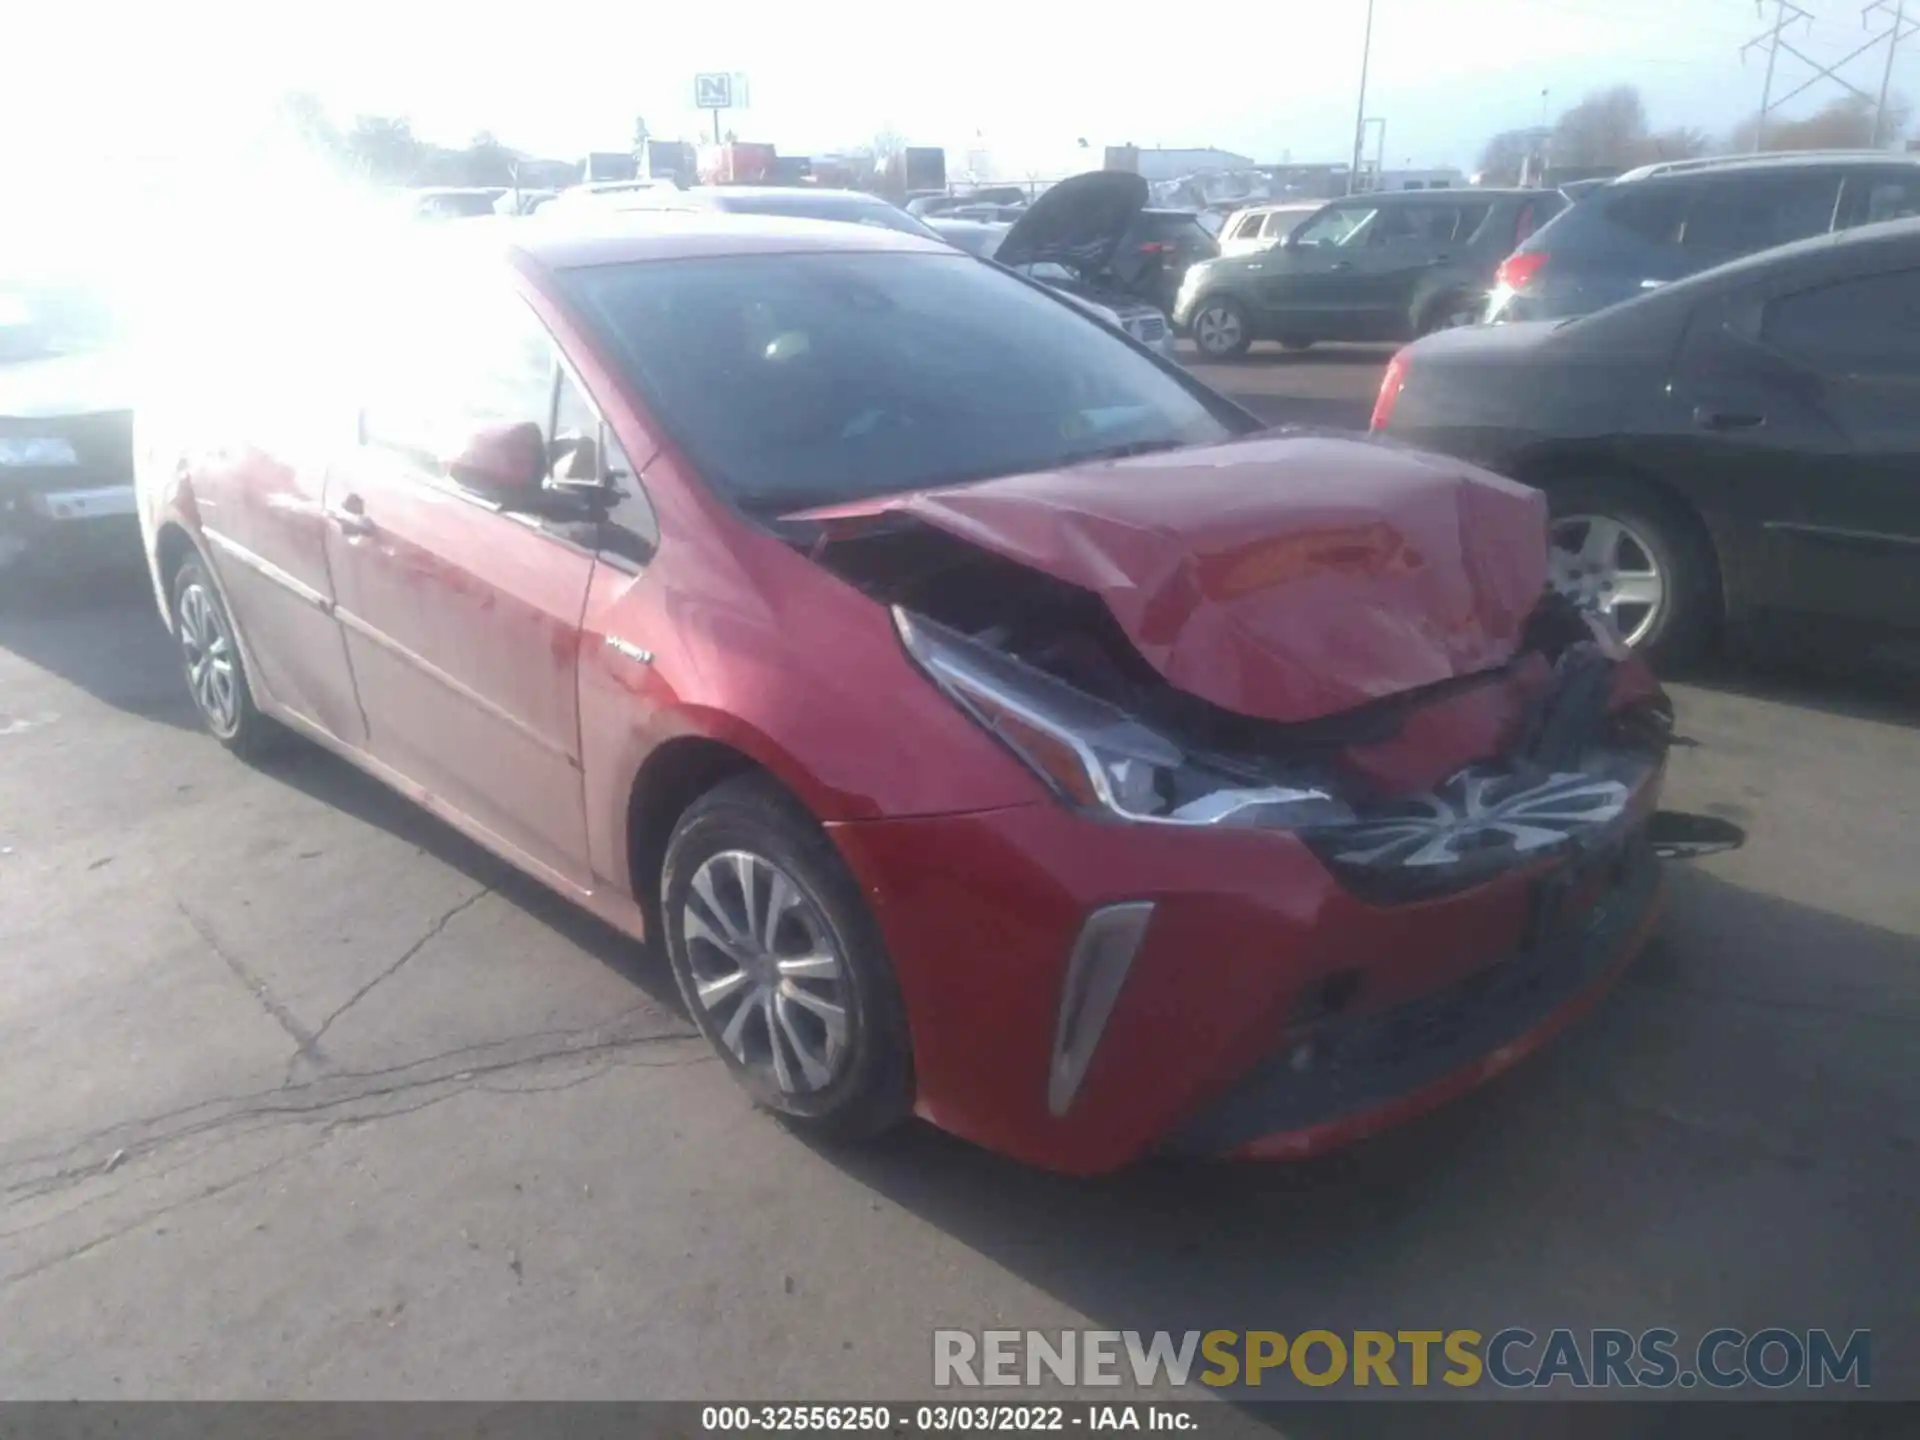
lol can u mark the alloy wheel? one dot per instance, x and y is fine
(1608, 568)
(1216, 330)
(768, 972)
(207, 647)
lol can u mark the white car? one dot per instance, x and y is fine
(1261, 227)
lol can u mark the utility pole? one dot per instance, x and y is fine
(1785, 13)
(1360, 111)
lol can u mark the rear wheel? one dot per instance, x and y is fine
(782, 966)
(216, 674)
(1220, 328)
(1629, 554)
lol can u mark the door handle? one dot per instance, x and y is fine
(350, 516)
(1708, 418)
(1341, 265)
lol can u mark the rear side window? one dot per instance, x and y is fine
(1868, 326)
(1756, 212)
(1166, 228)
(1278, 223)
(1246, 227)
(1889, 198)
(1653, 217)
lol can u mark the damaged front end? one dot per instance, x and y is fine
(1550, 754)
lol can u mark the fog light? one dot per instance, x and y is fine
(1096, 970)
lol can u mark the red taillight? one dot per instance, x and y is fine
(1390, 384)
(1519, 268)
(1155, 247)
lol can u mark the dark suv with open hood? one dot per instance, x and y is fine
(1098, 226)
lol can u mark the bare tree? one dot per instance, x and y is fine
(1843, 124)
(384, 148)
(1504, 156)
(1683, 142)
(1607, 128)
(887, 143)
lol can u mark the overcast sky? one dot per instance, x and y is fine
(1267, 78)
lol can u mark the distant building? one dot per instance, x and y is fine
(1152, 165)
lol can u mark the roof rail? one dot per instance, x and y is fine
(1719, 162)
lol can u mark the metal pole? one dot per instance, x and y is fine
(1766, 90)
(1380, 155)
(1360, 112)
(1894, 38)
(716, 127)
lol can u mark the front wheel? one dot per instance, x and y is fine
(1220, 328)
(216, 673)
(782, 966)
(1627, 553)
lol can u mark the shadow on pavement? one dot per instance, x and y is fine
(1644, 1170)
(94, 624)
(1854, 681)
(334, 782)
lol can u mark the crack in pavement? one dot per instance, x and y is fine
(74, 1252)
(433, 930)
(323, 1097)
(303, 1039)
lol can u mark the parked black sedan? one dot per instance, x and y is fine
(1370, 267)
(1738, 444)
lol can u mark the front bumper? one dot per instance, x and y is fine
(1249, 934)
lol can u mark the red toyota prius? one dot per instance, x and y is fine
(991, 721)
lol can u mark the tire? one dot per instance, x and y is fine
(1220, 328)
(769, 1019)
(1448, 312)
(1655, 534)
(1295, 342)
(221, 694)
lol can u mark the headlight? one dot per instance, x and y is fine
(1096, 756)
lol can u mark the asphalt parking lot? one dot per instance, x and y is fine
(308, 1097)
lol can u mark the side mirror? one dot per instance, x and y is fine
(505, 463)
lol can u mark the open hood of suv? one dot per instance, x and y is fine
(1078, 222)
(1285, 577)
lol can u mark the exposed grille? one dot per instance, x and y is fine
(1148, 328)
(102, 450)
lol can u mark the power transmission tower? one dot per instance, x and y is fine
(1786, 13)
(1897, 35)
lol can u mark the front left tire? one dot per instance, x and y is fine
(781, 964)
(1221, 329)
(216, 673)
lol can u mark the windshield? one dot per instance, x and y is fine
(801, 380)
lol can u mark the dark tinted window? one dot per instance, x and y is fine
(1756, 212)
(1163, 225)
(1653, 216)
(796, 380)
(1865, 326)
(1889, 198)
(1424, 223)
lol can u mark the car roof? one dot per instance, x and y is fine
(618, 237)
(762, 192)
(1776, 160)
(1480, 192)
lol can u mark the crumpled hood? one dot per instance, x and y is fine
(1287, 576)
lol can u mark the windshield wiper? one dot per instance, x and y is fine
(1121, 452)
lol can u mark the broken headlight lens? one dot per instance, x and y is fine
(1094, 754)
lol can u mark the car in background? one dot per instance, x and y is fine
(1261, 227)
(601, 192)
(1738, 445)
(988, 721)
(1158, 249)
(976, 237)
(1146, 323)
(66, 421)
(799, 202)
(1662, 222)
(927, 206)
(523, 202)
(452, 202)
(1385, 266)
